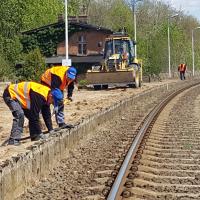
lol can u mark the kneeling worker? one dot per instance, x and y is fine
(29, 98)
(60, 77)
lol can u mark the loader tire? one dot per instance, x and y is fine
(137, 82)
(140, 83)
(97, 87)
(104, 87)
(131, 85)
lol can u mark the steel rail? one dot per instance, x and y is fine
(118, 183)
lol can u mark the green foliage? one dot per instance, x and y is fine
(155, 50)
(6, 72)
(12, 49)
(73, 7)
(41, 12)
(32, 67)
(11, 15)
(156, 54)
(82, 82)
(46, 40)
(120, 16)
(20, 15)
(9, 53)
(113, 14)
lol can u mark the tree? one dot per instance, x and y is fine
(113, 14)
(33, 65)
(41, 12)
(6, 72)
(17, 16)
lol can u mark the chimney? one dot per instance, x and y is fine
(81, 19)
(72, 19)
(60, 18)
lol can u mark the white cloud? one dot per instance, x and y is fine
(191, 7)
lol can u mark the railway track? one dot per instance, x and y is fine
(90, 171)
(160, 164)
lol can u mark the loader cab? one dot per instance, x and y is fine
(119, 48)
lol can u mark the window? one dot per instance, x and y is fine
(82, 45)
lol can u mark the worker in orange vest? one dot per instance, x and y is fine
(28, 99)
(60, 77)
(182, 69)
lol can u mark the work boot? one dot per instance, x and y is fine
(61, 125)
(70, 98)
(64, 125)
(51, 132)
(14, 142)
(39, 137)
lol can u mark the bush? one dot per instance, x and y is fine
(6, 71)
(33, 65)
(82, 82)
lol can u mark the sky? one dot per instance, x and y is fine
(189, 7)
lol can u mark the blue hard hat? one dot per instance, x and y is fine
(57, 96)
(71, 73)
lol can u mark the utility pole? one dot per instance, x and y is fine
(135, 26)
(135, 23)
(169, 47)
(66, 61)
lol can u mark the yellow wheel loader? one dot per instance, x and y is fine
(119, 66)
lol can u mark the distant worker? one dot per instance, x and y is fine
(60, 77)
(125, 56)
(182, 69)
(117, 49)
(29, 98)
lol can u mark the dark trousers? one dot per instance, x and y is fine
(60, 116)
(32, 123)
(18, 117)
(70, 89)
(182, 75)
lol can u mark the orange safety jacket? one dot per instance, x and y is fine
(182, 67)
(59, 71)
(21, 92)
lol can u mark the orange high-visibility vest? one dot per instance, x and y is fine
(21, 92)
(182, 67)
(59, 71)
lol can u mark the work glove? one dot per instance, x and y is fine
(66, 101)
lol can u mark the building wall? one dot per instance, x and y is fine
(92, 40)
